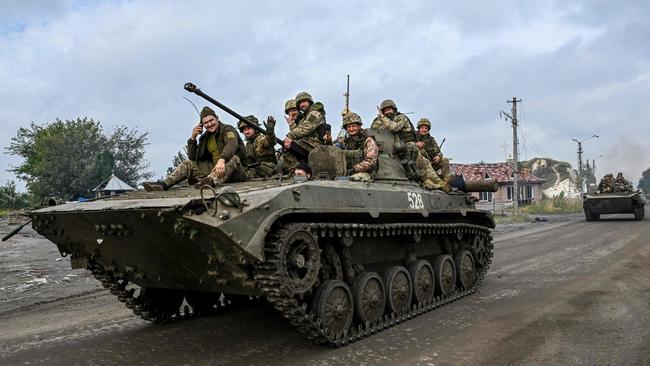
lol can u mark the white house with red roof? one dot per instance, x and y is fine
(530, 186)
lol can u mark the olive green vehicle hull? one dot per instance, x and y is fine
(595, 205)
(169, 240)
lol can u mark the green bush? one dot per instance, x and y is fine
(557, 205)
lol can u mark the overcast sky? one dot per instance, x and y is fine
(580, 69)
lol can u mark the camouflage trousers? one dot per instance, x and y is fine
(422, 172)
(263, 170)
(443, 167)
(288, 162)
(194, 171)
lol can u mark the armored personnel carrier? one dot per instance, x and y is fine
(340, 260)
(625, 202)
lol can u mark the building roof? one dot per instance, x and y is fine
(113, 183)
(501, 172)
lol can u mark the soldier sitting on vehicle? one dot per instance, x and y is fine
(215, 158)
(622, 185)
(260, 155)
(431, 150)
(360, 148)
(390, 119)
(606, 184)
(306, 129)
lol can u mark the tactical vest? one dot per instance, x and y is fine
(355, 142)
(429, 146)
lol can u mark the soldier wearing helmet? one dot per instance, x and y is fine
(291, 113)
(307, 129)
(622, 185)
(388, 117)
(430, 149)
(260, 155)
(361, 150)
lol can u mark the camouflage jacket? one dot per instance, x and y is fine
(305, 131)
(228, 142)
(361, 152)
(259, 148)
(398, 123)
(431, 148)
(606, 186)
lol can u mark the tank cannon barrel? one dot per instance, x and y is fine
(486, 185)
(295, 148)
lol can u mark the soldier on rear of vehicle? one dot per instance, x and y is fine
(622, 185)
(361, 150)
(431, 150)
(260, 155)
(390, 119)
(215, 158)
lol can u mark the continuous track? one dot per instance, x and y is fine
(297, 312)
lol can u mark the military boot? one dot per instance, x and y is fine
(155, 186)
(429, 183)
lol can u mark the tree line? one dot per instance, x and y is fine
(68, 158)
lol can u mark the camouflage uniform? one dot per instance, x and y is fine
(304, 131)
(622, 185)
(606, 184)
(401, 126)
(431, 150)
(260, 155)
(397, 123)
(361, 151)
(202, 158)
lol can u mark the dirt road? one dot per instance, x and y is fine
(557, 293)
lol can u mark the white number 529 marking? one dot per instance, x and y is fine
(415, 200)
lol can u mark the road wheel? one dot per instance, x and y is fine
(398, 289)
(639, 214)
(423, 281)
(369, 297)
(299, 258)
(445, 274)
(588, 215)
(465, 269)
(335, 307)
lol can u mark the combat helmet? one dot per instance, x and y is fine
(290, 104)
(252, 119)
(387, 103)
(303, 96)
(351, 118)
(424, 122)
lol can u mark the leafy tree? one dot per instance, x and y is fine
(178, 159)
(12, 199)
(71, 157)
(644, 182)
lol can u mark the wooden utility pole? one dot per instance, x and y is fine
(515, 157)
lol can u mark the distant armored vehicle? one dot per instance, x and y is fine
(340, 260)
(627, 202)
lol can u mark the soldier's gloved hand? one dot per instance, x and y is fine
(270, 123)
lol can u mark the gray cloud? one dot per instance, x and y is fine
(580, 69)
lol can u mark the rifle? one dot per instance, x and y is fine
(298, 150)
